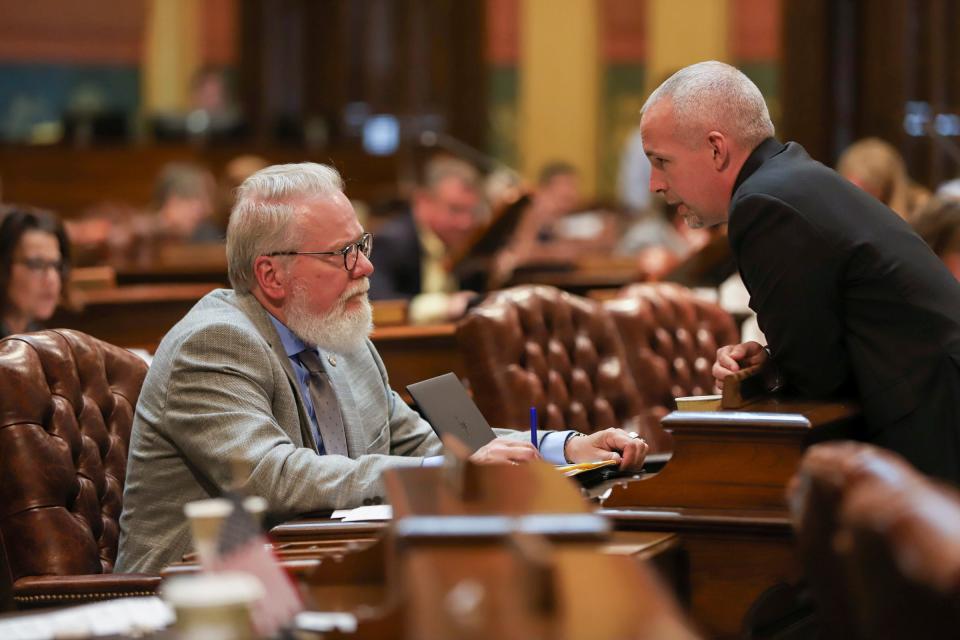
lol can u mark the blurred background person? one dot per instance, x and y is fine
(553, 227)
(661, 227)
(212, 113)
(183, 203)
(557, 195)
(414, 251)
(938, 223)
(633, 175)
(878, 168)
(34, 266)
(237, 169)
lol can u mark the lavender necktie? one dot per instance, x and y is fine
(325, 404)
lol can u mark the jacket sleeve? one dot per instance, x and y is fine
(794, 274)
(219, 408)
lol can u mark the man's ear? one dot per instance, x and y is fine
(720, 147)
(271, 278)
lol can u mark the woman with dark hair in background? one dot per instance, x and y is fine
(34, 264)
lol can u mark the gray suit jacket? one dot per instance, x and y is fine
(221, 388)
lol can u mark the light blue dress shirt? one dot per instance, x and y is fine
(293, 346)
(551, 444)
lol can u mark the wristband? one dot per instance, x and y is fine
(574, 434)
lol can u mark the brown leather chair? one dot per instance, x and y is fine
(879, 542)
(66, 410)
(539, 346)
(671, 339)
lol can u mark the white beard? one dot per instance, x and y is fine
(340, 330)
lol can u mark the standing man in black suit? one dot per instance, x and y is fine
(412, 260)
(851, 301)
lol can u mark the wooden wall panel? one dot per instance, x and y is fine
(74, 31)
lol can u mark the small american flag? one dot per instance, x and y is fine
(243, 547)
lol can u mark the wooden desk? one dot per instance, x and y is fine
(736, 459)
(309, 529)
(723, 494)
(70, 180)
(414, 353)
(171, 263)
(136, 316)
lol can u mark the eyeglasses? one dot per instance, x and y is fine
(39, 265)
(351, 252)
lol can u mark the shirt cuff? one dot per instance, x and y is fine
(552, 444)
(551, 449)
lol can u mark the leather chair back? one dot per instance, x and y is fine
(880, 543)
(539, 346)
(671, 339)
(901, 546)
(66, 411)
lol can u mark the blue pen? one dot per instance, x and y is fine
(533, 426)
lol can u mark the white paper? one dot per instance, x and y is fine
(322, 621)
(360, 514)
(111, 617)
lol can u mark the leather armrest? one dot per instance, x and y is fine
(43, 591)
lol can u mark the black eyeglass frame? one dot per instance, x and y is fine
(364, 245)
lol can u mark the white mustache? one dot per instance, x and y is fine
(361, 288)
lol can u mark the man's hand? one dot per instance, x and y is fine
(609, 444)
(505, 451)
(458, 302)
(734, 357)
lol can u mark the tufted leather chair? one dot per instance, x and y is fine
(539, 346)
(879, 542)
(671, 339)
(66, 410)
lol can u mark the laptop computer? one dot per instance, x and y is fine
(449, 410)
(447, 407)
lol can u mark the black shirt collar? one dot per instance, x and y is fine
(764, 151)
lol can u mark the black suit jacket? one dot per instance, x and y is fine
(851, 301)
(396, 259)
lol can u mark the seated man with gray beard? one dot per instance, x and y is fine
(280, 375)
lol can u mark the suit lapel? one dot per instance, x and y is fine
(258, 315)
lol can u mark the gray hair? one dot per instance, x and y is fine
(714, 95)
(264, 212)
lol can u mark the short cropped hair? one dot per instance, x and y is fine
(265, 209)
(713, 95)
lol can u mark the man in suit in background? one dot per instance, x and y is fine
(414, 248)
(851, 301)
(279, 375)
